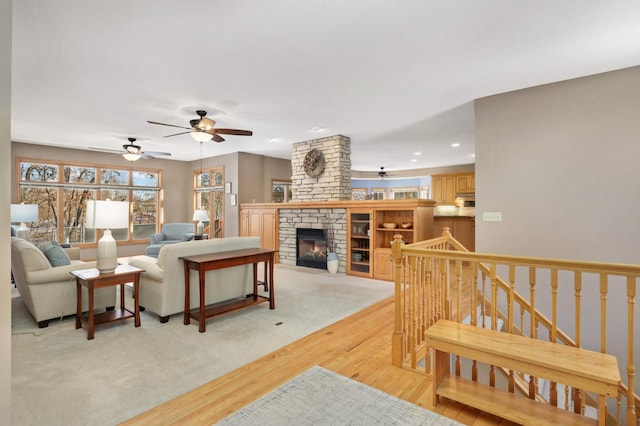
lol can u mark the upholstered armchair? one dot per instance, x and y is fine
(171, 233)
(50, 291)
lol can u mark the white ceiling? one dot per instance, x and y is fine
(395, 76)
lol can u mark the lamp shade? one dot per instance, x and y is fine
(201, 136)
(107, 214)
(200, 215)
(24, 212)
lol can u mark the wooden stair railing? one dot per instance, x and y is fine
(441, 279)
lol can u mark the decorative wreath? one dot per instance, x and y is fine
(314, 163)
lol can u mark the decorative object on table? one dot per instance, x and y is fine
(24, 213)
(389, 225)
(200, 216)
(314, 163)
(107, 215)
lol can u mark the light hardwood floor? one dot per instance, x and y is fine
(358, 347)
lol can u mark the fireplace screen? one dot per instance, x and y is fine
(311, 248)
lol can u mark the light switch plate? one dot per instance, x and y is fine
(492, 216)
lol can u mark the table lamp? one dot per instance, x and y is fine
(24, 213)
(200, 216)
(107, 215)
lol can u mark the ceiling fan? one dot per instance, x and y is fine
(203, 129)
(133, 152)
(382, 173)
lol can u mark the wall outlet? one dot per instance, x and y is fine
(492, 216)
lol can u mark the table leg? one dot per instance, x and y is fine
(91, 315)
(255, 281)
(187, 295)
(266, 282)
(272, 297)
(203, 319)
(136, 299)
(78, 304)
(122, 305)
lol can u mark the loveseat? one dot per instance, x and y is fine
(171, 233)
(162, 282)
(50, 291)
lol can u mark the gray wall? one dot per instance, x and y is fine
(5, 196)
(560, 161)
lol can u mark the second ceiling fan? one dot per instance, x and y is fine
(203, 129)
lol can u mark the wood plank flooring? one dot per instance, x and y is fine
(358, 347)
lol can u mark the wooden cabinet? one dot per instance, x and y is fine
(359, 242)
(379, 238)
(445, 187)
(462, 228)
(263, 223)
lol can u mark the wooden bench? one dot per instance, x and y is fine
(587, 370)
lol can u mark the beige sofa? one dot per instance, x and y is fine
(162, 282)
(47, 291)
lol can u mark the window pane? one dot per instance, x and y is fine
(145, 215)
(145, 179)
(217, 231)
(204, 180)
(114, 177)
(75, 209)
(38, 172)
(218, 178)
(44, 229)
(79, 174)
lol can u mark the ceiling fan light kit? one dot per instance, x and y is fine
(201, 136)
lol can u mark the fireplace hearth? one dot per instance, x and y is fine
(311, 248)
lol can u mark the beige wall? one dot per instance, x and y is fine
(257, 172)
(5, 196)
(560, 162)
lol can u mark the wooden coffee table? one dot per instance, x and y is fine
(92, 279)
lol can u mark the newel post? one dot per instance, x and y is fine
(397, 337)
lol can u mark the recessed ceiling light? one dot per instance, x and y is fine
(414, 160)
(417, 153)
(317, 129)
(271, 139)
(455, 144)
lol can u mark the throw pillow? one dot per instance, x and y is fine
(56, 254)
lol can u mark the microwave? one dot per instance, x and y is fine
(465, 200)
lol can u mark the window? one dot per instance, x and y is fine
(406, 193)
(209, 196)
(378, 194)
(359, 194)
(281, 191)
(62, 200)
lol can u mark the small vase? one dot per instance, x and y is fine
(332, 263)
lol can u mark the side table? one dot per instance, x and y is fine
(92, 279)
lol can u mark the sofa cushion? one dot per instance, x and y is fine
(55, 254)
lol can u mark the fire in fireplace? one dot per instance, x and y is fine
(311, 248)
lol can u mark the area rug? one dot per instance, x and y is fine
(61, 378)
(322, 397)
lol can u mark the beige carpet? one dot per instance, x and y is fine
(61, 378)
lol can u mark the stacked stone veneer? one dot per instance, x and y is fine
(334, 220)
(334, 184)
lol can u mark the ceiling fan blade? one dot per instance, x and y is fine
(146, 156)
(216, 137)
(155, 153)
(170, 125)
(234, 132)
(119, 151)
(176, 134)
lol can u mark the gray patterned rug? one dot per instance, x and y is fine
(321, 397)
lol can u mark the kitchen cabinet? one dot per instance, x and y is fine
(263, 223)
(462, 228)
(445, 187)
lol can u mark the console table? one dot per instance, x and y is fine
(92, 279)
(208, 262)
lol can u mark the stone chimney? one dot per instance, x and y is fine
(334, 182)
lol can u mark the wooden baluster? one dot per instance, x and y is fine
(578, 403)
(631, 395)
(474, 309)
(444, 284)
(412, 312)
(458, 266)
(553, 388)
(604, 288)
(484, 297)
(424, 297)
(494, 311)
(510, 302)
